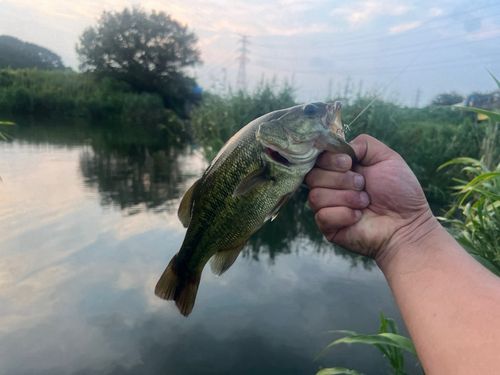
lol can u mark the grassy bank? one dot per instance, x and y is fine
(67, 94)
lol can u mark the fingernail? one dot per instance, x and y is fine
(359, 181)
(364, 198)
(341, 162)
(357, 213)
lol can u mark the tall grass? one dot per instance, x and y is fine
(71, 94)
(477, 227)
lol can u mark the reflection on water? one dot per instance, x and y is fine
(136, 178)
(77, 272)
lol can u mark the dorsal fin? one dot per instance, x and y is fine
(254, 179)
(224, 259)
(184, 212)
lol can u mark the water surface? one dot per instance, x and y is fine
(87, 225)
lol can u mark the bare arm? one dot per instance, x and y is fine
(450, 303)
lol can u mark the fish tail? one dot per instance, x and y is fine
(179, 287)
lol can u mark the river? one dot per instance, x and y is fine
(87, 225)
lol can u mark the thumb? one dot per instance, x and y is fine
(370, 151)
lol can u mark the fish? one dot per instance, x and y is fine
(247, 183)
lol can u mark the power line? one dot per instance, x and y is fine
(377, 36)
(402, 51)
(376, 71)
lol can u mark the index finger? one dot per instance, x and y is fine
(334, 162)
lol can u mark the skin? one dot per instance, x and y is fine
(449, 302)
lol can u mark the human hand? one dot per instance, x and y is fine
(390, 212)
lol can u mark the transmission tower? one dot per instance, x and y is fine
(241, 81)
(417, 97)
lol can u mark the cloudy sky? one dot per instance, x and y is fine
(407, 50)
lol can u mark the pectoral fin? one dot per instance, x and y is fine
(254, 179)
(184, 212)
(276, 209)
(224, 259)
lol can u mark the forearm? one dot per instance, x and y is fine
(450, 304)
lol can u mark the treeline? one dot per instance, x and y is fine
(18, 54)
(52, 94)
(133, 70)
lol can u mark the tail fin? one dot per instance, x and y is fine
(180, 288)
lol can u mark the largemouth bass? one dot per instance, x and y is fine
(247, 183)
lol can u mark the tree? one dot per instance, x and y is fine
(447, 99)
(148, 51)
(18, 55)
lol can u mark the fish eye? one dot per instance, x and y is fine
(310, 109)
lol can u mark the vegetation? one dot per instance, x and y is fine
(52, 94)
(477, 228)
(447, 99)
(146, 51)
(387, 341)
(4, 135)
(17, 54)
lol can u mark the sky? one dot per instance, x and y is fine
(403, 50)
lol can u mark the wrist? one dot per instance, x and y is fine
(409, 240)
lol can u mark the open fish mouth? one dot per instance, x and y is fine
(307, 154)
(331, 119)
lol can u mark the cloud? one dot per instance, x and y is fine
(311, 29)
(485, 33)
(364, 11)
(404, 27)
(434, 12)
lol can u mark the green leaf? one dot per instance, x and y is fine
(338, 370)
(461, 161)
(7, 123)
(492, 115)
(391, 339)
(496, 80)
(402, 342)
(347, 332)
(481, 179)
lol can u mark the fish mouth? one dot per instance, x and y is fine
(307, 154)
(331, 119)
(277, 157)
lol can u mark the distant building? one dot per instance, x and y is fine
(489, 102)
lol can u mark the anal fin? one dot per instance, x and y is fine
(225, 258)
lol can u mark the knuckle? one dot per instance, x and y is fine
(312, 177)
(321, 218)
(314, 196)
(350, 199)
